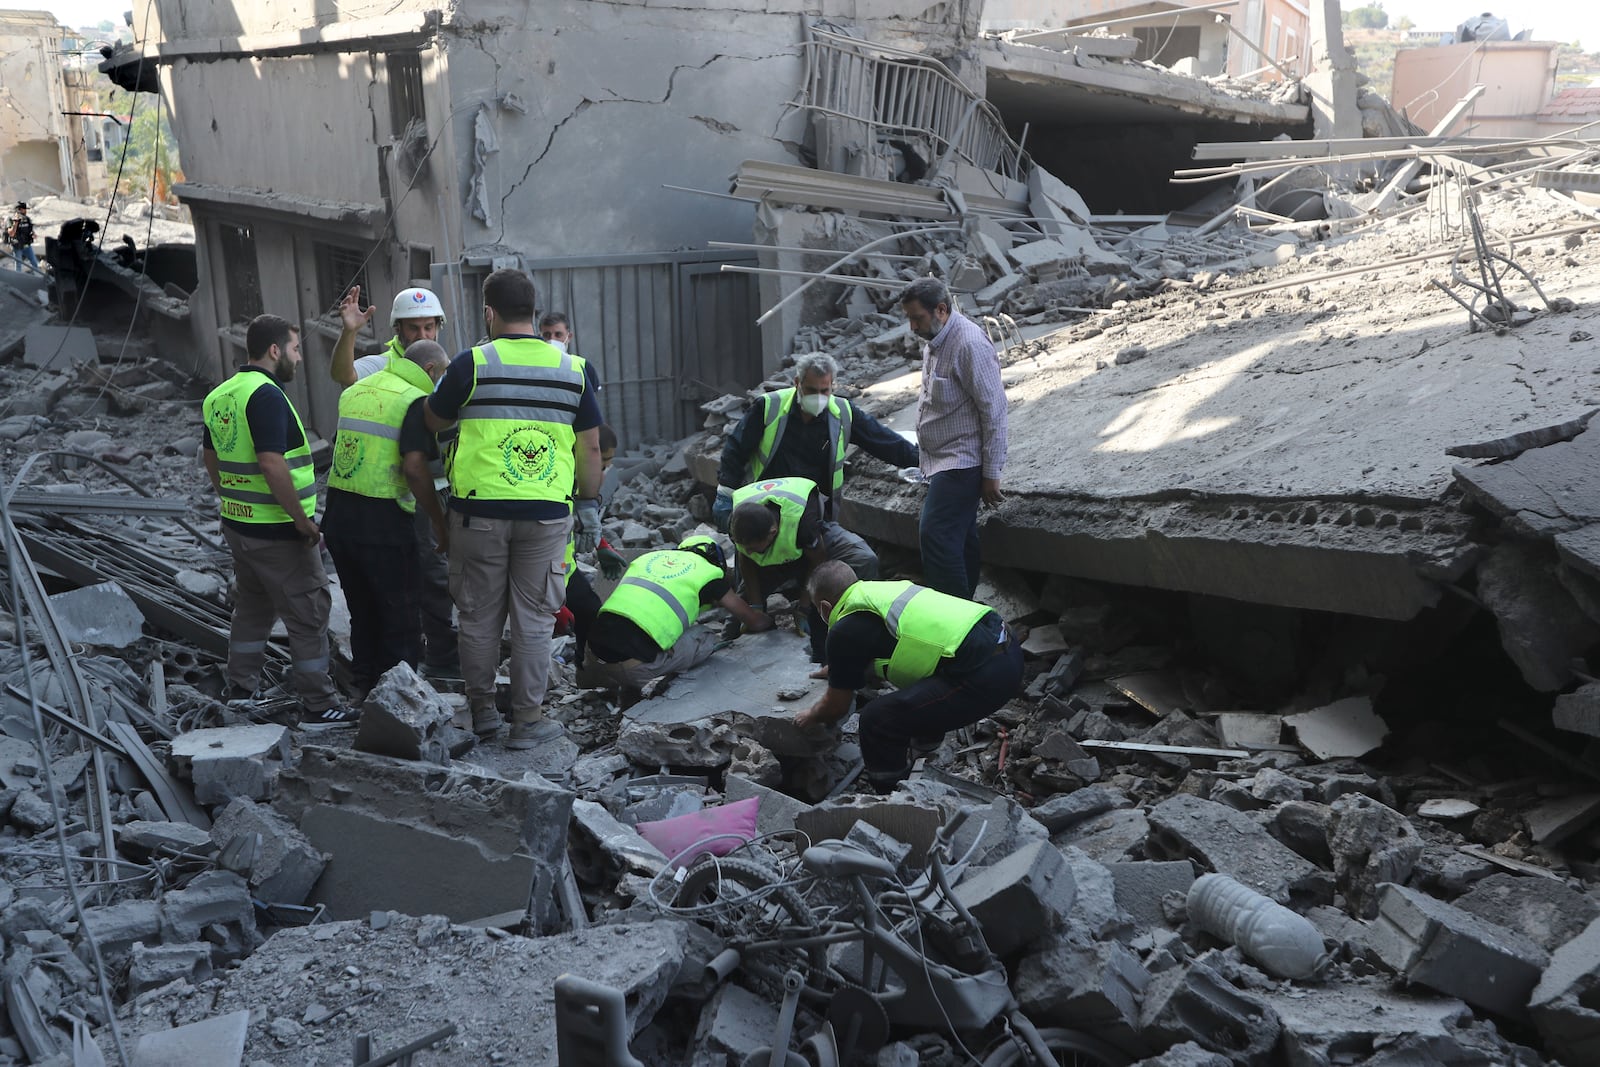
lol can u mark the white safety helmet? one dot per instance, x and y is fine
(416, 304)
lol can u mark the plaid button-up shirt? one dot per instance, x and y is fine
(961, 414)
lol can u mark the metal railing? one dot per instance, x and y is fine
(897, 93)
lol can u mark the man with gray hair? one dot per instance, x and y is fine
(961, 433)
(378, 480)
(803, 432)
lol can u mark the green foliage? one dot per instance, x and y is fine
(107, 26)
(1404, 23)
(152, 162)
(1370, 17)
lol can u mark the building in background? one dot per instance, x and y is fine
(41, 147)
(1519, 80)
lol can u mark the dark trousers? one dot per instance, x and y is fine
(924, 711)
(948, 532)
(584, 603)
(438, 610)
(381, 587)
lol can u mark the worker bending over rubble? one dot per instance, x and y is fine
(582, 605)
(952, 662)
(378, 483)
(416, 315)
(647, 629)
(803, 432)
(255, 450)
(961, 433)
(778, 529)
(526, 463)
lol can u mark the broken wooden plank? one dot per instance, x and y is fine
(1479, 852)
(1167, 750)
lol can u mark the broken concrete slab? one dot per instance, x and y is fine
(285, 865)
(1345, 728)
(745, 677)
(1544, 910)
(489, 845)
(1541, 627)
(1370, 844)
(1556, 821)
(1111, 837)
(735, 1023)
(206, 1043)
(777, 811)
(141, 839)
(1230, 842)
(704, 743)
(622, 845)
(1068, 809)
(1446, 809)
(1196, 1003)
(58, 347)
(1579, 711)
(98, 615)
(1325, 1027)
(1450, 950)
(1095, 909)
(1094, 986)
(232, 761)
(1252, 730)
(1027, 892)
(404, 717)
(911, 823)
(153, 967)
(1142, 884)
(1563, 1003)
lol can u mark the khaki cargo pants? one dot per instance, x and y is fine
(280, 580)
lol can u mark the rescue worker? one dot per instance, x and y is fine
(255, 451)
(803, 432)
(780, 534)
(378, 483)
(20, 236)
(647, 628)
(952, 662)
(524, 468)
(416, 315)
(582, 605)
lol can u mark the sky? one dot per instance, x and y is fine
(1550, 20)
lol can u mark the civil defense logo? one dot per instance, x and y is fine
(419, 297)
(665, 566)
(527, 454)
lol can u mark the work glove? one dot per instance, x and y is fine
(586, 526)
(611, 564)
(722, 508)
(563, 623)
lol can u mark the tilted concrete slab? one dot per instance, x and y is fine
(745, 677)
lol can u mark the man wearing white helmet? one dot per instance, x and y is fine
(416, 315)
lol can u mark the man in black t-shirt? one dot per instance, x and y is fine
(19, 235)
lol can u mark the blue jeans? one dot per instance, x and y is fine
(24, 253)
(948, 532)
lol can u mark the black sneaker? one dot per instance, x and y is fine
(328, 718)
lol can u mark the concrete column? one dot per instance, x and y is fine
(1332, 81)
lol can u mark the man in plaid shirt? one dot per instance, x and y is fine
(961, 434)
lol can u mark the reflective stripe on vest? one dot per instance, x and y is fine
(775, 419)
(927, 626)
(516, 438)
(245, 495)
(660, 593)
(791, 495)
(366, 451)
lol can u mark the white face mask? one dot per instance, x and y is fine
(814, 403)
(559, 346)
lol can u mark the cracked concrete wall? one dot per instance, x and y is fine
(35, 156)
(233, 18)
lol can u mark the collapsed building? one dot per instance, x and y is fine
(1263, 473)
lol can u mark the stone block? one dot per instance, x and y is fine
(1196, 1003)
(1439, 945)
(58, 347)
(218, 1040)
(98, 615)
(1030, 891)
(1187, 1054)
(1556, 821)
(140, 839)
(705, 744)
(403, 717)
(1111, 837)
(117, 926)
(153, 967)
(736, 1022)
(1579, 710)
(914, 824)
(1068, 809)
(1230, 842)
(603, 847)
(422, 840)
(32, 812)
(1543, 910)
(777, 811)
(286, 865)
(218, 898)
(1095, 910)
(232, 761)
(1092, 986)
(1371, 844)
(1141, 885)
(1368, 1015)
(1566, 1003)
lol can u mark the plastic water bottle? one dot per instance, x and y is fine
(1284, 943)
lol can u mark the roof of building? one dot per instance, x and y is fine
(1577, 102)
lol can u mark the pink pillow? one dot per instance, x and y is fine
(713, 831)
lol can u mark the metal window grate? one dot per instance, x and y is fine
(243, 272)
(405, 91)
(337, 270)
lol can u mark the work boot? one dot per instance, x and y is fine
(486, 721)
(884, 782)
(923, 747)
(329, 718)
(535, 734)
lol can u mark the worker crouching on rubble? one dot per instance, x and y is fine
(781, 536)
(647, 629)
(952, 662)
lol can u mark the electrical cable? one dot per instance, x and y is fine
(15, 551)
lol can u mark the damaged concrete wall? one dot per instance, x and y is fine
(35, 153)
